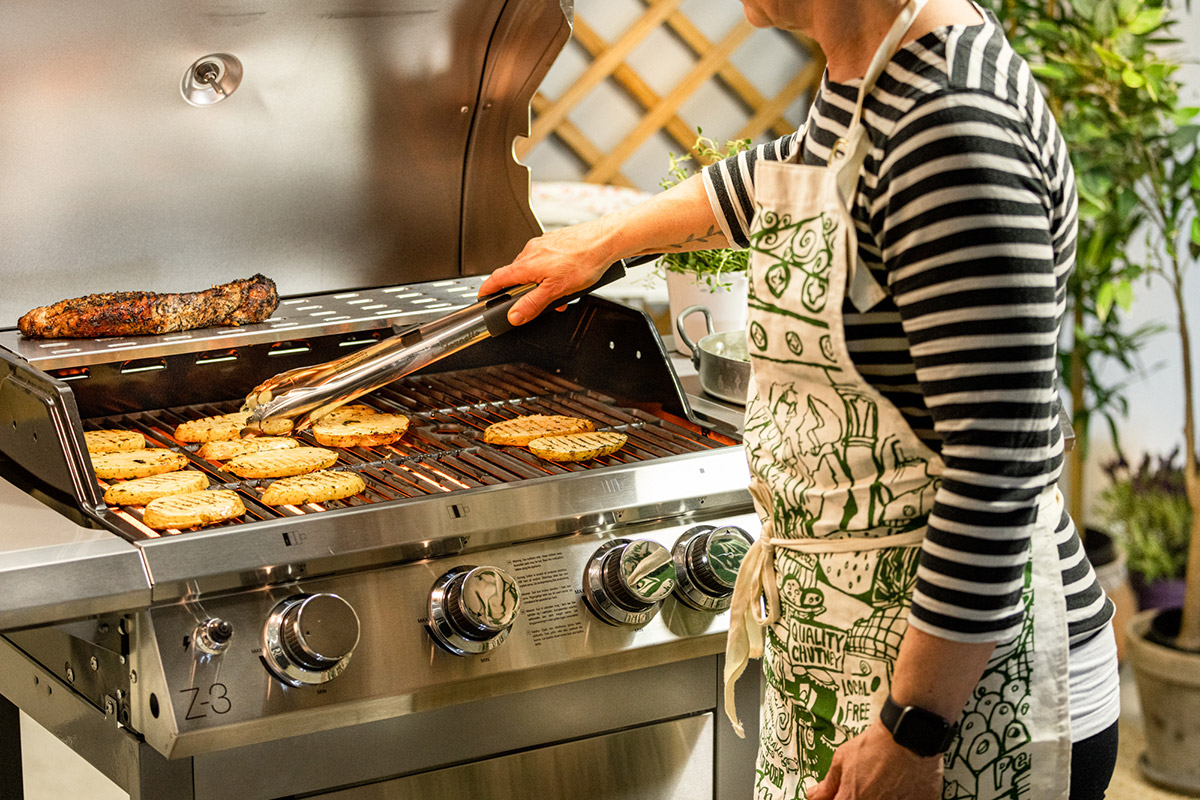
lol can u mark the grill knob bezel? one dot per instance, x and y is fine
(698, 584)
(292, 653)
(456, 625)
(608, 591)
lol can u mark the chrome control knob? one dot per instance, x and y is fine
(472, 609)
(707, 561)
(626, 581)
(309, 638)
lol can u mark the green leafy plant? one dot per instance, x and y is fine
(1136, 153)
(706, 265)
(1087, 54)
(1152, 518)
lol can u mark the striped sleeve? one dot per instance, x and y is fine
(730, 186)
(964, 217)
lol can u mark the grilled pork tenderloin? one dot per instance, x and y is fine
(142, 313)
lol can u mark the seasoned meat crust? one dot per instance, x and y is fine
(141, 313)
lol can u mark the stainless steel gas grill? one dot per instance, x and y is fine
(478, 621)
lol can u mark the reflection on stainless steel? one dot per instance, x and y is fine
(366, 144)
(667, 761)
(308, 393)
(446, 617)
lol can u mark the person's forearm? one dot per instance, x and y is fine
(677, 220)
(569, 259)
(938, 674)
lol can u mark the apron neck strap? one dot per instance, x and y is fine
(883, 54)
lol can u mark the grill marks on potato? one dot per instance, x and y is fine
(113, 441)
(126, 464)
(360, 430)
(226, 449)
(223, 427)
(577, 446)
(139, 491)
(523, 430)
(281, 463)
(314, 487)
(556, 437)
(193, 509)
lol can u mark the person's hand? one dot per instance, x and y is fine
(871, 766)
(561, 262)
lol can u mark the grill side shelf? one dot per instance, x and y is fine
(40, 431)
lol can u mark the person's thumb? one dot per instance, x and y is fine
(826, 789)
(531, 304)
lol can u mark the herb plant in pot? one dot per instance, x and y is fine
(1163, 646)
(715, 279)
(1148, 511)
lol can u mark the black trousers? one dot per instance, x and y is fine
(1092, 763)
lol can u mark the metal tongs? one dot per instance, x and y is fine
(306, 394)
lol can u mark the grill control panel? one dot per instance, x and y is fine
(435, 632)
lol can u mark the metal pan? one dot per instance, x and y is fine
(721, 359)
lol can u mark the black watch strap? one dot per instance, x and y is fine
(921, 731)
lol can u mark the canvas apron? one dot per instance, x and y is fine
(844, 488)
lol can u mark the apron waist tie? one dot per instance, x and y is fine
(756, 579)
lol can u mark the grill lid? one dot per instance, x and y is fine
(332, 146)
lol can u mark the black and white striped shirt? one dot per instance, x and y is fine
(966, 213)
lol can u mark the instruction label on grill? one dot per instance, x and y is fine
(548, 597)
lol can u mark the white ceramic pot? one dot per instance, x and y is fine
(727, 306)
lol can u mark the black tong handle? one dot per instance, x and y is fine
(495, 315)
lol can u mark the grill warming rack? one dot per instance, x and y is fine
(443, 449)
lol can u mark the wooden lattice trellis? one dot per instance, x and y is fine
(660, 113)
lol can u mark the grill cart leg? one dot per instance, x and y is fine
(11, 786)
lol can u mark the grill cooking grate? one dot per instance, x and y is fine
(443, 449)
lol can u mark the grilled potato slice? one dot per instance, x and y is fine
(281, 463)
(348, 411)
(370, 430)
(113, 441)
(225, 449)
(226, 426)
(315, 487)
(523, 430)
(193, 509)
(125, 464)
(139, 491)
(577, 446)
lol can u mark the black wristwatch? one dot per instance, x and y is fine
(919, 730)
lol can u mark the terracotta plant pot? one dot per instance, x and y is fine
(1168, 682)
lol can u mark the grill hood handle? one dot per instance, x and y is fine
(306, 394)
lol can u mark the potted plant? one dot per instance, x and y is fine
(715, 279)
(1163, 139)
(1152, 522)
(1064, 43)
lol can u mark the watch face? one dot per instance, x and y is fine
(922, 732)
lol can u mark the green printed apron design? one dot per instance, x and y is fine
(844, 488)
